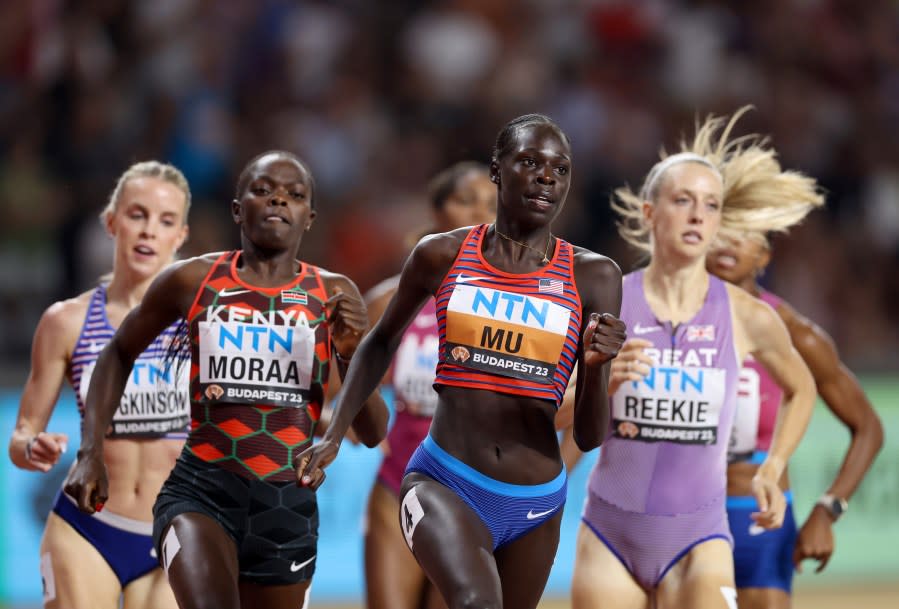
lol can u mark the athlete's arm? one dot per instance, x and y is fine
(30, 447)
(168, 298)
(842, 393)
(602, 334)
(348, 321)
(421, 277)
(761, 332)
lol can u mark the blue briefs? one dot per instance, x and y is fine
(125, 544)
(762, 558)
(508, 510)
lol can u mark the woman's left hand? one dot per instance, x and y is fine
(771, 500)
(603, 337)
(815, 540)
(348, 320)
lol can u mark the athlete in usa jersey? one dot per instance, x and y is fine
(517, 308)
(231, 524)
(764, 561)
(461, 195)
(104, 559)
(654, 525)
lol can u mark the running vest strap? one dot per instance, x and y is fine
(510, 333)
(259, 369)
(758, 400)
(154, 403)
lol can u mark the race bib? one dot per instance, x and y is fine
(514, 335)
(671, 404)
(744, 435)
(413, 373)
(243, 363)
(154, 403)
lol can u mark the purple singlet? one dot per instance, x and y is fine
(659, 486)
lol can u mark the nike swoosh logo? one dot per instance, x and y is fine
(755, 529)
(152, 552)
(638, 329)
(532, 514)
(226, 293)
(294, 567)
(461, 279)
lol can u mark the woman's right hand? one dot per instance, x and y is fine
(632, 363)
(88, 483)
(44, 449)
(311, 463)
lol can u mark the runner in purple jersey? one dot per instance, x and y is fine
(655, 529)
(461, 195)
(764, 560)
(104, 560)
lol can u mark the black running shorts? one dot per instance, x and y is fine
(274, 524)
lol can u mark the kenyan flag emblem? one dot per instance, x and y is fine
(294, 296)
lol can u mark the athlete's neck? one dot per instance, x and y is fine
(751, 286)
(264, 268)
(675, 294)
(126, 289)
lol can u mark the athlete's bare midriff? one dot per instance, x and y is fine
(508, 438)
(137, 470)
(739, 479)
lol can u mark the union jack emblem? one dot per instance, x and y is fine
(551, 286)
(700, 333)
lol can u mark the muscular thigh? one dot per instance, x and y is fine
(201, 561)
(152, 591)
(524, 563)
(75, 575)
(450, 542)
(393, 579)
(763, 598)
(600, 580)
(702, 579)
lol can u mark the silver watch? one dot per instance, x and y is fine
(837, 506)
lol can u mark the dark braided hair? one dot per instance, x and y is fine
(244, 177)
(510, 131)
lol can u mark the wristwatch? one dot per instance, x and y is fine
(836, 506)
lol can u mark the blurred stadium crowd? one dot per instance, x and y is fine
(378, 96)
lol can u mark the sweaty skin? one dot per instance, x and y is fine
(274, 209)
(506, 437)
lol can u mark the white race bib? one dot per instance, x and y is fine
(744, 435)
(514, 335)
(672, 404)
(155, 401)
(247, 363)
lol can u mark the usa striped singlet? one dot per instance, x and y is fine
(510, 333)
(154, 403)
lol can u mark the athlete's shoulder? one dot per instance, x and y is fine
(383, 290)
(337, 282)
(438, 250)
(803, 331)
(63, 319)
(197, 266)
(754, 314)
(595, 266)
